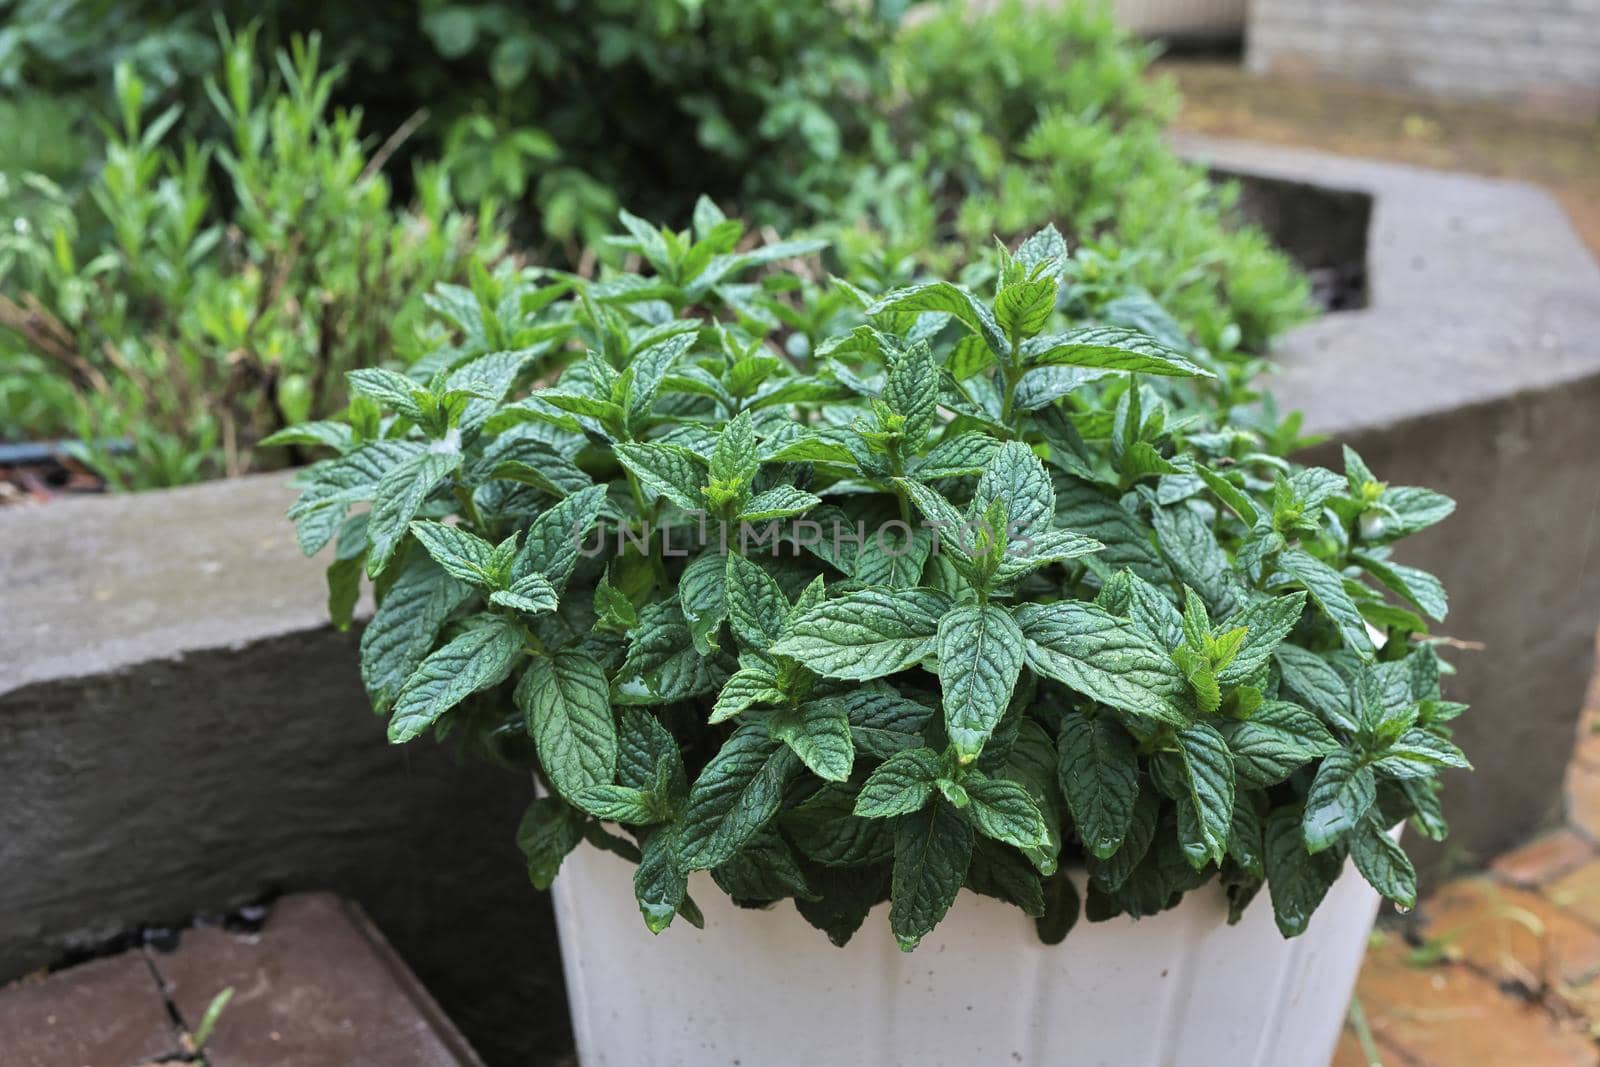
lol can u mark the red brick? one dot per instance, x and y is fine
(1542, 861)
(1451, 1016)
(1511, 933)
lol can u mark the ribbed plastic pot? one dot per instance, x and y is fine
(765, 989)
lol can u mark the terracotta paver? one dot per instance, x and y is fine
(319, 987)
(1452, 1016)
(1543, 860)
(1579, 892)
(1512, 934)
(105, 1013)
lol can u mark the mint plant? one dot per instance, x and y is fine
(847, 596)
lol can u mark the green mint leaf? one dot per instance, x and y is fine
(1384, 864)
(866, 634)
(399, 495)
(980, 656)
(1001, 872)
(1266, 623)
(703, 596)
(650, 368)
(620, 803)
(564, 700)
(736, 460)
(648, 758)
(781, 502)
(1016, 477)
(957, 456)
(903, 784)
(951, 299)
(826, 829)
(1207, 809)
(1099, 776)
(745, 688)
(1414, 510)
(1110, 348)
(1111, 873)
(1103, 657)
(393, 391)
(660, 884)
(882, 722)
(763, 871)
(532, 594)
(549, 830)
(1297, 881)
(932, 850)
(1005, 811)
(1313, 679)
(1418, 587)
(1340, 796)
(404, 626)
(737, 793)
(912, 391)
(662, 664)
(551, 544)
(1327, 590)
(1229, 494)
(819, 733)
(1277, 739)
(1418, 754)
(757, 608)
(477, 659)
(335, 435)
(669, 471)
(1023, 308)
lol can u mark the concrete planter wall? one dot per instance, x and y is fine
(765, 988)
(1182, 18)
(180, 731)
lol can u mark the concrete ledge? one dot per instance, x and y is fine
(1475, 370)
(180, 731)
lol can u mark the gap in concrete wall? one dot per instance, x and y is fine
(1323, 230)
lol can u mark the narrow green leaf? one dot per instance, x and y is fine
(478, 658)
(1103, 657)
(980, 656)
(1111, 348)
(1208, 770)
(1340, 795)
(903, 784)
(866, 634)
(1099, 776)
(737, 793)
(932, 850)
(564, 698)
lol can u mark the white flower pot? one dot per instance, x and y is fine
(765, 989)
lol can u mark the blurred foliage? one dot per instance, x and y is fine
(910, 135)
(168, 324)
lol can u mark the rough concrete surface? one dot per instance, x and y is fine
(197, 737)
(1475, 370)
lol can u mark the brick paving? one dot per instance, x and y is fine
(318, 986)
(1499, 969)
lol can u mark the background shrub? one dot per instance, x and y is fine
(909, 137)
